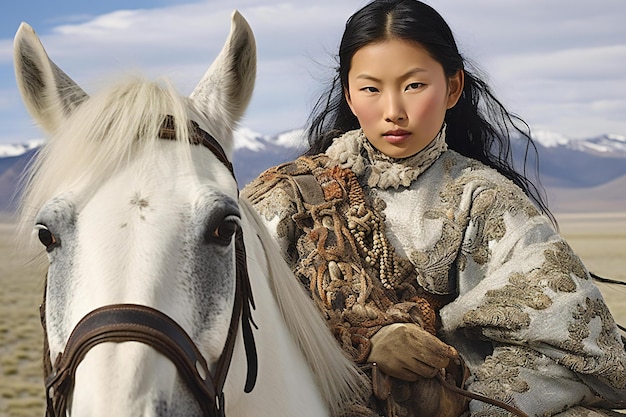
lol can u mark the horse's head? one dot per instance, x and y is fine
(127, 217)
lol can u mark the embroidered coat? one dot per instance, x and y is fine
(521, 308)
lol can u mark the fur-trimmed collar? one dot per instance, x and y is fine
(353, 150)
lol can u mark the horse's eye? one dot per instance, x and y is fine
(46, 237)
(224, 231)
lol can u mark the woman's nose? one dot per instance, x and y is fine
(394, 109)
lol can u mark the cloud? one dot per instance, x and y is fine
(6, 52)
(7, 99)
(603, 62)
(181, 41)
(559, 64)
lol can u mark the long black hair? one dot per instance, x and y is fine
(478, 126)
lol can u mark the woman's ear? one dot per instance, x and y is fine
(455, 88)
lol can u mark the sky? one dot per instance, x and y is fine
(559, 64)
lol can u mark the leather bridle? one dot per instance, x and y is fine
(130, 322)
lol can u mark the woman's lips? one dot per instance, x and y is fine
(396, 136)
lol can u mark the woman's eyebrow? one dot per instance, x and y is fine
(409, 73)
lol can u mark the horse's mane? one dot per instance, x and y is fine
(343, 383)
(108, 131)
(103, 134)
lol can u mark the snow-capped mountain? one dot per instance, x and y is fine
(588, 165)
(611, 145)
(576, 163)
(7, 151)
(606, 144)
(248, 139)
(255, 153)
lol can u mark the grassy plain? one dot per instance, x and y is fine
(599, 239)
(21, 386)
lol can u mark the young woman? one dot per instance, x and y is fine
(433, 260)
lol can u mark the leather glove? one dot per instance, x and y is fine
(424, 396)
(406, 351)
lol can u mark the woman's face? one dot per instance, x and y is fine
(400, 95)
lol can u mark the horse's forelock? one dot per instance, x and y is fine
(106, 132)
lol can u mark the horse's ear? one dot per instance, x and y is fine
(49, 94)
(229, 81)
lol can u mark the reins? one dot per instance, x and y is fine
(130, 322)
(472, 395)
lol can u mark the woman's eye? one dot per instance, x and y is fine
(46, 237)
(370, 89)
(414, 86)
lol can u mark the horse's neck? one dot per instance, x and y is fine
(285, 384)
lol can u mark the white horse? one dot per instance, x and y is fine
(129, 218)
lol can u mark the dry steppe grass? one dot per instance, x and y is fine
(599, 239)
(21, 386)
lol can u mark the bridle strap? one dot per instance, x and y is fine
(243, 299)
(244, 303)
(197, 136)
(130, 322)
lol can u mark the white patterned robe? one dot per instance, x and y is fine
(528, 320)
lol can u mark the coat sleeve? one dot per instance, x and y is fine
(273, 197)
(531, 324)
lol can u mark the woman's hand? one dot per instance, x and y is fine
(408, 352)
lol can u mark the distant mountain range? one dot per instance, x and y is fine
(586, 175)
